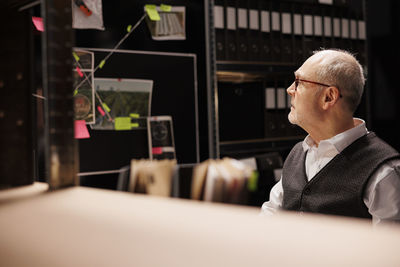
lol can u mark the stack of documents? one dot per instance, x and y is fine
(222, 180)
(151, 177)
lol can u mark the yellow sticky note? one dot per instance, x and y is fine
(75, 56)
(165, 8)
(152, 12)
(122, 123)
(106, 107)
(102, 63)
(134, 125)
(134, 115)
(253, 182)
(129, 28)
(75, 92)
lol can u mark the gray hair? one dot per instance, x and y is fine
(341, 69)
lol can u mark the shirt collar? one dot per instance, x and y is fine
(342, 140)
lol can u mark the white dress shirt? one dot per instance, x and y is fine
(382, 193)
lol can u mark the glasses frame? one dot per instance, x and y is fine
(297, 80)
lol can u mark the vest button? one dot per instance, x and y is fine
(307, 191)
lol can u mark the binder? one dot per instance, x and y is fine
(327, 28)
(254, 31)
(337, 28)
(219, 26)
(272, 114)
(266, 37)
(298, 35)
(270, 110)
(230, 34)
(281, 119)
(318, 28)
(360, 34)
(345, 25)
(242, 12)
(276, 32)
(287, 33)
(308, 32)
(361, 40)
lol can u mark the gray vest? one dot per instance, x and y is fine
(338, 188)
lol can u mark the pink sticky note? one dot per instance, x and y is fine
(81, 130)
(157, 150)
(101, 111)
(79, 71)
(38, 22)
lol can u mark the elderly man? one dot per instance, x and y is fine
(340, 168)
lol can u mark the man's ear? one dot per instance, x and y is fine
(330, 97)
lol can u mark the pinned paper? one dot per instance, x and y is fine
(152, 12)
(81, 131)
(134, 125)
(101, 111)
(134, 115)
(156, 150)
(38, 22)
(79, 71)
(106, 107)
(122, 123)
(102, 63)
(253, 182)
(165, 8)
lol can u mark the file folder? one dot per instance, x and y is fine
(254, 31)
(287, 33)
(327, 29)
(276, 32)
(219, 26)
(361, 36)
(337, 28)
(231, 34)
(266, 36)
(242, 30)
(281, 111)
(298, 36)
(308, 30)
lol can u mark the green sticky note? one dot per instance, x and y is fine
(75, 56)
(75, 92)
(152, 12)
(106, 107)
(165, 8)
(134, 115)
(253, 182)
(122, 123)
(134, 125)
(129, 28)
(102, 63)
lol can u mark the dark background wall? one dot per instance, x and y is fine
(383, 24)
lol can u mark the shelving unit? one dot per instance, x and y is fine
(258, 46)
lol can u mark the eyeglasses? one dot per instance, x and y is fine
(297, 81)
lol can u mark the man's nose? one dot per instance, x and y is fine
(290, 90)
